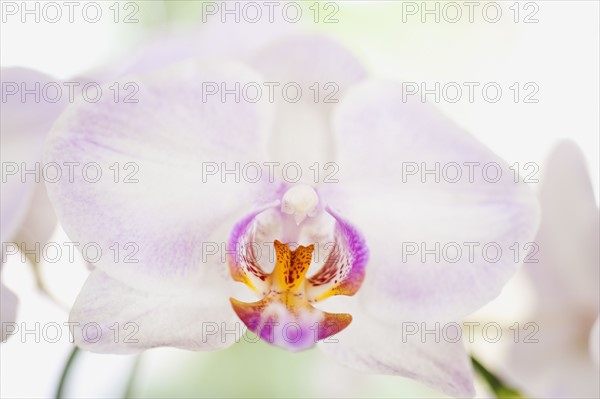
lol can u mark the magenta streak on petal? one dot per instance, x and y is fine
(344, 270)
(243, 265)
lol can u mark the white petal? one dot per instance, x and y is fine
(379, 132)
(568, 273)
(8, 308)
(312, 73)
(370, 346)
(162, 207)
(553, 360)
(40, 221)
(26, 119)
(116, 318)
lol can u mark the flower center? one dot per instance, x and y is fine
(285, 315)
(300, 201)
(291, 267)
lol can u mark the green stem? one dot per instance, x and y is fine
(497, 386)
(65, 373)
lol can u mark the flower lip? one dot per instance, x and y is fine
(285, 317)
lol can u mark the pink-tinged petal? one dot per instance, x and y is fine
(378, 132)
(567, 275)
(8, 309)
(114, 317)
(344, 270)
(369, 346)
(595, 342)
(311, 73)
(29, 108)
(171, 149)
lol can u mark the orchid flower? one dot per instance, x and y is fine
(564, 360)
(27, 215)
(175, 292)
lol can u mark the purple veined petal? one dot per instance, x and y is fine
(567, 274)
(595, 342)
(378, 132)
(171, 149)
(8, 308)
(30, 105)
(370, 346)
(110, 316)
(309, 74)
